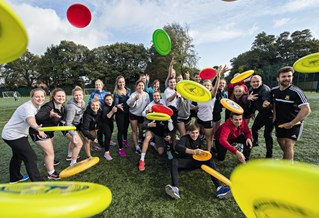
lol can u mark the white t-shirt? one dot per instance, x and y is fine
(17, 127)
(150, 106)
(168, 93)
(205, 110)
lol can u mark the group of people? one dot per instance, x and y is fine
(178, 138)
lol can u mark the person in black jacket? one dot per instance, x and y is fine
(106, 124)
(188, 145)
(50, 114)
(89, 126)
(260, 93)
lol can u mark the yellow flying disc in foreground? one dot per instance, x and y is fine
(307, 64)
(13, 36)
(193, 91)
(158, 116)
(232, 106)
(216, 174)
(79, 167)
(53, 199)
(276, 188)
(242, 76)
(57, 128)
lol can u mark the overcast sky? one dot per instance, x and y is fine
(220, 30)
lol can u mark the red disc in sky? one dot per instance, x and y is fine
(79, 15)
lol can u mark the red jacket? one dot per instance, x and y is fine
(227, 131)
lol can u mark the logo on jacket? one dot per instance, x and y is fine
(287, 97)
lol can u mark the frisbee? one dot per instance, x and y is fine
(13, 36)
(282, 125)
(207, 73)
(242, 76)
(276, 188)
(57, 128)
(162, 109)
(204, 156)
(162, 42)
(307, 64)
(158, 116)
(216, 174)
(79, 15)
(53, 199)
(79, 167)
(232, 106)
(193, 91)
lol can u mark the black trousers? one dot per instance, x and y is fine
(221, 150)
(183, 163)
(122, 122)
(22, 151)
(106, 130)
(259, 122)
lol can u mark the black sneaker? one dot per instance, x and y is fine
(54, 176)
(255, 144)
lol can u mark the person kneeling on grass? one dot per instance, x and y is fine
(234, 135)
(188, 145)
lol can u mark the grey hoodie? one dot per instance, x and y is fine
(74, 114)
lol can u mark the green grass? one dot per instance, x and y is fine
(141, 194)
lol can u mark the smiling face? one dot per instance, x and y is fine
(38, 98)
(140, 87)
(194, 134)
(156, 97)
(238, 91)
(255, 82)
(222, 84)
(59, 97)
(98, 85)
(108, 100)
(208, 85)
(121, 83)
(285, 79)
(172, 83)
(156, 86)
(237, 120)
(78, 96)
(95, 106)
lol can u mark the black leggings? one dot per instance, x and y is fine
(106, 130)
(22, 151)
(221, 150)
(122, 122)
(179, 163)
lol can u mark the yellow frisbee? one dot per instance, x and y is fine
(79, 167)
(57, 128)
(242, 76)
(204, 156)
(232, 106)
(193, 91)
(13, 36)
(276, 188)
(216, 174)
(282, 125)
(307, 64)
(53, 199)
(158, 116)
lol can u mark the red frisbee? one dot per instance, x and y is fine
(162, 109)
(207, 73)
(79, 15)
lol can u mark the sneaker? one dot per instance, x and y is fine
(172, 191)
(112, 143)
(108, 156)
(54, 176)
(125, 143)
(141, 165)
(255, 144)
(223, 192)
(122, 152)
(56, 162)
(69, 158)
(24, 178)
(138, 150)
(96, 148)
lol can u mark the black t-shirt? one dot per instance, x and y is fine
(287, 103)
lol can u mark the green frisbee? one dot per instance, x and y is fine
(162, 42)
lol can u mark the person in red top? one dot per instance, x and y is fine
(234, 135)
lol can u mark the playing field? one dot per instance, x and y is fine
(141, 194)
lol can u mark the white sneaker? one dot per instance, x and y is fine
(172, 191)
(108, 156)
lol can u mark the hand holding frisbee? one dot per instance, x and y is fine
(162, 42)
(203, 156)
(232, 106)
(242, 76)
(13, 36)
(307, 64)
(79, 15)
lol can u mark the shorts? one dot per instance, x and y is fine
(294, 133)
(159, 141)
(205, 124)
(36, 137)
(185, 121)
(139, 119)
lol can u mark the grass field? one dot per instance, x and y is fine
(141, 194)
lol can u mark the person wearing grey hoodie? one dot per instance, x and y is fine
(74, 112)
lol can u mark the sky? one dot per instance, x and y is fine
(220, 30)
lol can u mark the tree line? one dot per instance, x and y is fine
(69, 64)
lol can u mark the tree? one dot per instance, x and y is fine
(22, 72)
